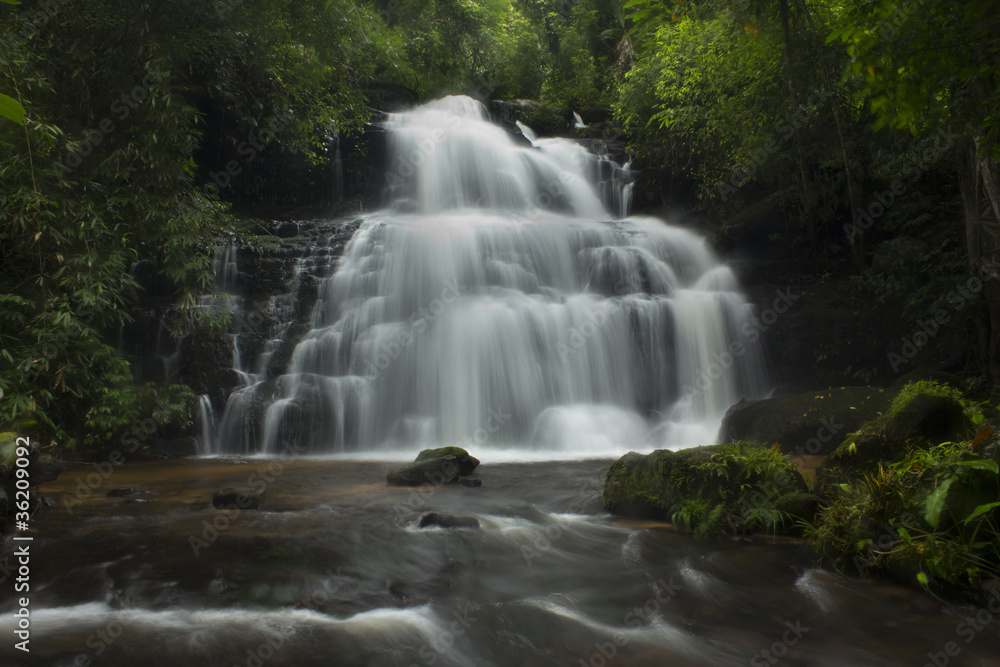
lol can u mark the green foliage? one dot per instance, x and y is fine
(738, 487)
(709, 101)
(927, 514)
(925, 65)
(11, 109)
(148, 408)
(754, 479)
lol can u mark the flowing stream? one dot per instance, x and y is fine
(333, 570)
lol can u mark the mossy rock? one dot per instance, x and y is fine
(807, 424)
(923, 414)
(718, 483)
(467, 463)
(923, 374)
(799, 505)
(8, 450)
(433, 471)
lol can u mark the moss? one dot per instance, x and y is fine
(922, 414)
(705, 489)
(467, 463)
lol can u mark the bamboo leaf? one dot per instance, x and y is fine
(11, 108)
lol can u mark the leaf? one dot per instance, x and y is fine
(11, 108)
(981, 464)
(11, 2)
(981, 510)
(935, 502)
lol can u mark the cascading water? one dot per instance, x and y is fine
(497, 303)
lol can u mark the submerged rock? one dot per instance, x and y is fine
(448, 521)
(123, 492)
(230, 498)
(705, 488)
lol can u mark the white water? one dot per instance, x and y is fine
(498, 305)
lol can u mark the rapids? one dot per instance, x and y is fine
(333, 571)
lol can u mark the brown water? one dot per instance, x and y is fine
(334, 571)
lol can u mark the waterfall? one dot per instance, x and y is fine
(205, 421)
(498, 303)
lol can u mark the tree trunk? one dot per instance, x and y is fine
(808, 195)
(976, 179)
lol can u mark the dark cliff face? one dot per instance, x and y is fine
(269, 291)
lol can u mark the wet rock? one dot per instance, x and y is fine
(466, 462)
(544, 120)
(433, 471)
(286, 230)
(448, 521)
(124, 492)
(44, 469)
(807, 424)
(230, 498)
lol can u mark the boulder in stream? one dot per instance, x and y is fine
(444, 465)
(703, 489)
(466, 462)
(433, 471)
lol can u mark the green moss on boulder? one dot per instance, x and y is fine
(707, 488)
(923, 414)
